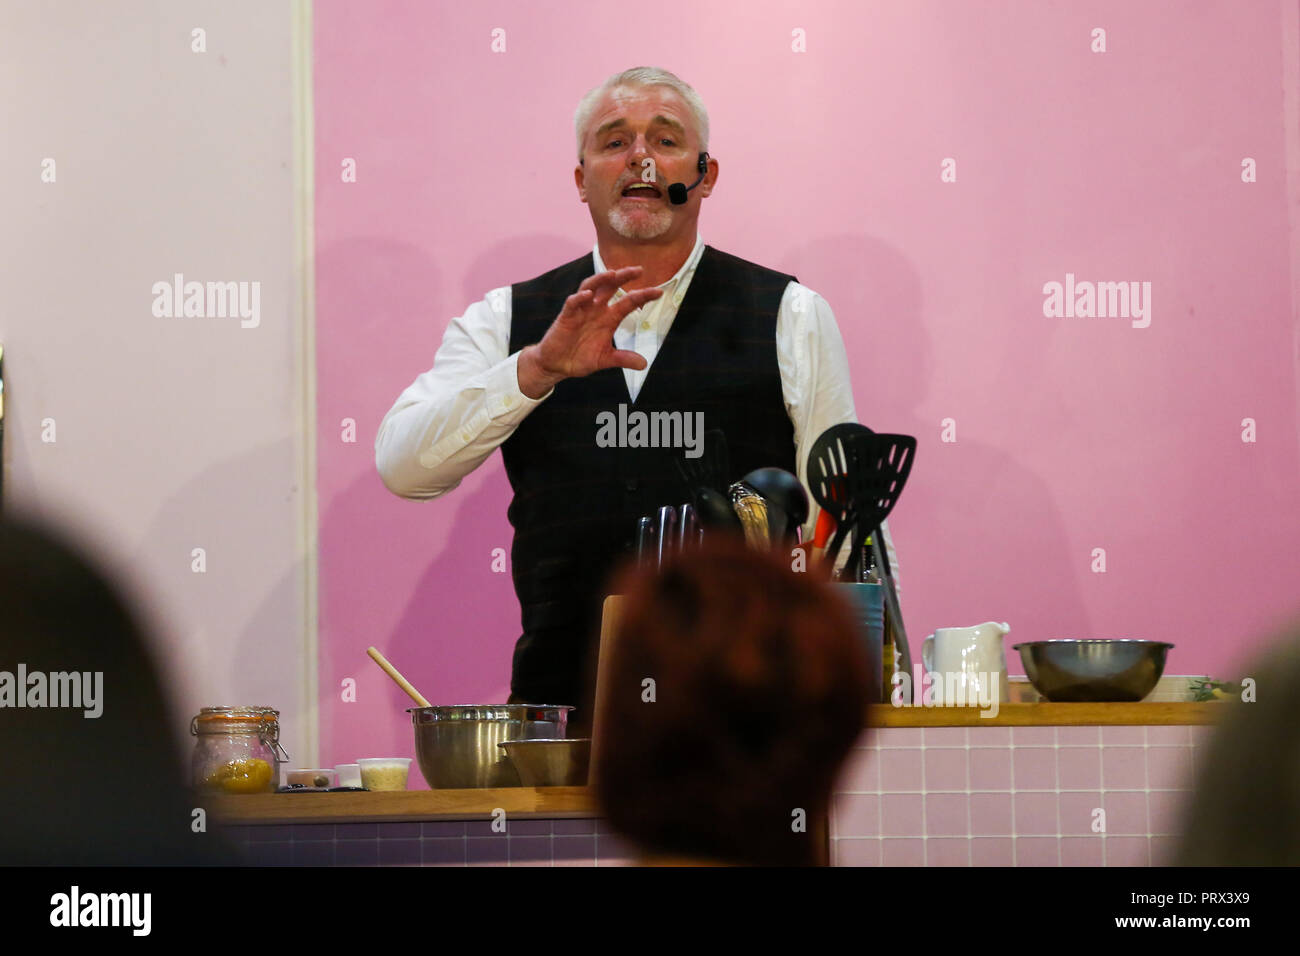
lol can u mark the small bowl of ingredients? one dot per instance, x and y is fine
(384, 773)
(309, 778)
(349, 774)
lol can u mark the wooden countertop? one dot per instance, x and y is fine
(1046, 714)
(578, 802)
(400, 806)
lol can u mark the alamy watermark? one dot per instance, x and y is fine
(80, 689)
(1102, 300)
(950, 689)
(637, 429)
(213, 300)
(76, 908)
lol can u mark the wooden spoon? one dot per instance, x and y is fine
(398, 679)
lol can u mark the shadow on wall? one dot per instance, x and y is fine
(455, 633)
(960, 528)
(519, 259)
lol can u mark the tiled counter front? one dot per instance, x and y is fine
(1026, 791)
(432, 843)
(1014, 796)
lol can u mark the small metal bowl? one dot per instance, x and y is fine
(1093, 670)
(550, 763)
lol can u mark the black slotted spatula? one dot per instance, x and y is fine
(880, 470)
(830, 461)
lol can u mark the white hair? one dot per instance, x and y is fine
(642, 76)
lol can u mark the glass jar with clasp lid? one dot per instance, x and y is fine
(236, 750)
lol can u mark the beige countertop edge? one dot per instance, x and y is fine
(405, 806)
(1045, 714)
(553, 803)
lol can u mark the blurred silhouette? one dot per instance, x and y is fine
(78, 789)
(760, 690)
(1245, 805)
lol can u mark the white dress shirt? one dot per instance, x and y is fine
(447, 422)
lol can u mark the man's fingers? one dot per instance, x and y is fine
(606, 284)
(609, 318)
(621, 358)
(633, 301)
(582, 303)
(610, 279)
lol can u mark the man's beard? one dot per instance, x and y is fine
(640, 225)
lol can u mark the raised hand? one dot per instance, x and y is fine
(581, 339)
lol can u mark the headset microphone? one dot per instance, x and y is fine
(677, 192)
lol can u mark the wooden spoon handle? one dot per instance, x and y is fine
(398, 679)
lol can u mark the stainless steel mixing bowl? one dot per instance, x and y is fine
(1093, 670)
(456, 747)
(550, 763)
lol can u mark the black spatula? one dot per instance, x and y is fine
(856, 476)
(879, 468)
(830, 460)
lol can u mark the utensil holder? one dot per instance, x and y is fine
(867, 599)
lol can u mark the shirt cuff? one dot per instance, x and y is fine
(506, 404)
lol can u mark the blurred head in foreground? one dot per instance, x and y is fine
(1245, 805)
(759, 692)
(95, 784)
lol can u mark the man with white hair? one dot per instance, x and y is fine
(536, 366)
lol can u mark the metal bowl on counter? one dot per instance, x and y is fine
(550, 763)
(456, 747)
(1093, 670)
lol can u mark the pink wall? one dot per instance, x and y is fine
(1072, 433)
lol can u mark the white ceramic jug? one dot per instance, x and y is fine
(965, 662)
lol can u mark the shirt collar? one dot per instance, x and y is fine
(691, 261)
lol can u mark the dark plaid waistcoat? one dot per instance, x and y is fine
(576, 504)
